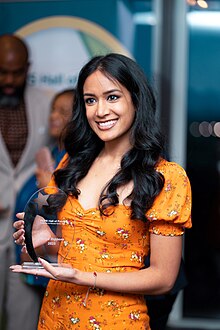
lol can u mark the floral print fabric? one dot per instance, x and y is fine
(112, 244)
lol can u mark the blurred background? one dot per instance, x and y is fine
(177, 43)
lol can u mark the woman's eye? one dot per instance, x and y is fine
(90, 100)
(113, 97)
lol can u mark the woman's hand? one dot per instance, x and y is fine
(41, 232)
(19, 226)
(64, 272)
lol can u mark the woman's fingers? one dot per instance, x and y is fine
(34, 271)
(62, 273)
(48, 267)
(19, 237)
(20, 215)
(19, 226)
(18, 234)
(24, 249)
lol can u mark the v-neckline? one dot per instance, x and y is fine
(92, 209)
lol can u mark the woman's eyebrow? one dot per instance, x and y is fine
(107, 92)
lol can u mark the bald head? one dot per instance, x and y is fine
(13, 68)
(13, 45)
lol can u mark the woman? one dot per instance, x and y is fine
(126, 201)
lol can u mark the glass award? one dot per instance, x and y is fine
(44, 228)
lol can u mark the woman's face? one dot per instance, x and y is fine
(60, 114)
(109, 108)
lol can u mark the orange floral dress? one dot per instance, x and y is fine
(112, 244)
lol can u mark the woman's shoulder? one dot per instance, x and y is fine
(172, 207)
(170, 169)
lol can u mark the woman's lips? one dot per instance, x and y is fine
(105, 125)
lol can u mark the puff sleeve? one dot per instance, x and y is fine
(171, 211)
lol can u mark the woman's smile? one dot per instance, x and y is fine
(108, 124)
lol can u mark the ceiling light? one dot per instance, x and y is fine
(202, 4)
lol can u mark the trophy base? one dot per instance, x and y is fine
(36, 265)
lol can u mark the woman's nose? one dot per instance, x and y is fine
(102, 109)
(54, 113)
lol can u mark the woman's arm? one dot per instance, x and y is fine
(158, 278)
(43, 177)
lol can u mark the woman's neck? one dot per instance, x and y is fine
(114, 150)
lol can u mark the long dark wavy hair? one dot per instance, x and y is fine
(138, 164)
